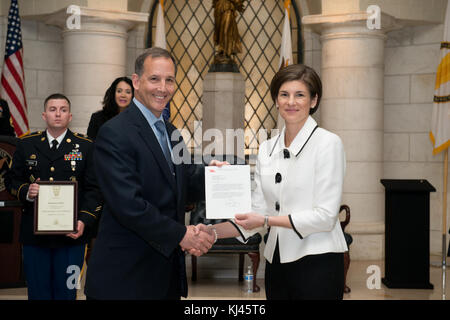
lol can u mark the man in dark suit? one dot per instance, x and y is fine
(138, 253)
(56, 154)
(6, 126)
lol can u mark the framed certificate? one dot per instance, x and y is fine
(56, 207)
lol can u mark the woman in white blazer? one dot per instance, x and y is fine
(299, 177)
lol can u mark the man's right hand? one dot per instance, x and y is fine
(196, 242)
(33, 191)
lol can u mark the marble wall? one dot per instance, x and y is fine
(411, 59)
(43, 63)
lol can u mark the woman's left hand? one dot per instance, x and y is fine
(250, 220)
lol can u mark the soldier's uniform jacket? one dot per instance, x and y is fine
(72, 161)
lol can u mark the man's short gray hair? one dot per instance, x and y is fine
(154, 52)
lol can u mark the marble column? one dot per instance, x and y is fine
(352, 106)
(94, 55)
(223, 114)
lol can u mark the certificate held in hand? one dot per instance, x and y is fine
(227, 191)
(55, 207)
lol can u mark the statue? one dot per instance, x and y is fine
(226, 35)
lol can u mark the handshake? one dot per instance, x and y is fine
(198, 239)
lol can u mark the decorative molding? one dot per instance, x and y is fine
(322, 22)
(127, 19)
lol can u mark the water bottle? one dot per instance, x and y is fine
(249, 280)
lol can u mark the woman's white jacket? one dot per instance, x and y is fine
(310, 192)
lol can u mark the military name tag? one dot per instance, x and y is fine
(31, 163)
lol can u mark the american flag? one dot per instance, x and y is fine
(12, 88)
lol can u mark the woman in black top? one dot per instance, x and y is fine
(117, 98)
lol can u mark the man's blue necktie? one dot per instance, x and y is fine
(160, 126)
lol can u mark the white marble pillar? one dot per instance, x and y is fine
(94, 55)
(352, 106)
(223, 114)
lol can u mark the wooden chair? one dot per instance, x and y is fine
(228, 246)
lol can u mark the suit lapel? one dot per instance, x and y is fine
(147, 134)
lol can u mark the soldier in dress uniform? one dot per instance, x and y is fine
(56, 154)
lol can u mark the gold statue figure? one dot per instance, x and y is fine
(226, 35)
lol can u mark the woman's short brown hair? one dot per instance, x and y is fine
(298, 72)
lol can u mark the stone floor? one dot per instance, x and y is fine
(357, 280)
